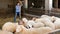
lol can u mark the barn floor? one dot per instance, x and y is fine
(6, 18)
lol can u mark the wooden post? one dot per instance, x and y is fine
(26, 4)
(48, 6)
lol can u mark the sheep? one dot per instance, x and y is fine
(25, 20)
(38, 25)
(44, 16)
(30, 23)
(49, 17)
(9, 26)
(5, 32)
(42, 30)
(46, 21)
(53, 18)
(57, 24)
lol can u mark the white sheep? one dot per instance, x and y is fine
(9, 26)
(30, 23)
(49, 17)
(5, 32)
(46, 22)
(25, 20)
(38, 25)
(53, 18)
(33, 24)
(42, 30)
(57, 23)
(44, 16)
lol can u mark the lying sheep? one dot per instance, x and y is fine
(46, 22)
(38, 25)
(54, 18)
(44, 16)
(5, 32)
(9, 26)
(57, 23)
(33, 24)
(30, 23)
(25, 21)
(49, 17)
(42, 30)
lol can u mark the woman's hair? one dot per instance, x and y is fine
(19, 2)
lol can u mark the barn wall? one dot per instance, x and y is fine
(6, 6)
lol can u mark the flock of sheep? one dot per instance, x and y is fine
(43, 25)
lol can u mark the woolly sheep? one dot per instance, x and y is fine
(25, 20)
(54, 18)
(30, 23)
(57, 23)
(49, 17)
(42, 30)
(9, 26)
(46, 21)
(44, 16)
(38, 25)
(5, 32)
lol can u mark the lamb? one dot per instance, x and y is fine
(9, 26)
(46, 21)
(5, 32)
(42, 30)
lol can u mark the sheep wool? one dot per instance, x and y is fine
(5, 32)
(57, 24)
(46, 22)
(9, 26)
(30, 23)
(38, 25)
(42, 30)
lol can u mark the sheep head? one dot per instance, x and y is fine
(25, 20)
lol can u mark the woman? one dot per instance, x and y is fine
(18, 11)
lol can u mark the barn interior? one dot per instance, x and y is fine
(30, 8)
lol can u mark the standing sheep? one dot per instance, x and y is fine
(42, 30)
